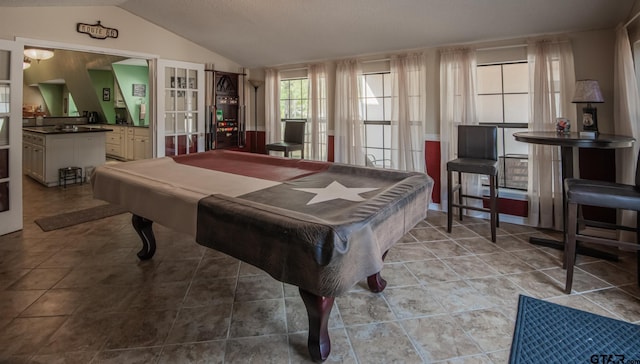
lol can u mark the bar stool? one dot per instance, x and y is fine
(293, 139)
(618, 196)
(69, 174)
(477, 154)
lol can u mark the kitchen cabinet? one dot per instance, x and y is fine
(128, 142)
(45, 154)
(115, 142)
(141, 145)
(33, 155)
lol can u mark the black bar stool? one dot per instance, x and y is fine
(477, 154)
(602, 194)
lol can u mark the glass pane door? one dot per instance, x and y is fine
(10, 137)
(181, 108)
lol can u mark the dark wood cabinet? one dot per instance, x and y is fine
(228, 128)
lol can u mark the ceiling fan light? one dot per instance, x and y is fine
(38, 53)
(26, 63)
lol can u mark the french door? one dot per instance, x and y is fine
(180, 108)
(10, 137)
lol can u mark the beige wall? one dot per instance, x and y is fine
(593, 57)
(58, 24)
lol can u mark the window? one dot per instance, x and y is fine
(294, 105)
(503, 100)
(294, 98)
(375, 108)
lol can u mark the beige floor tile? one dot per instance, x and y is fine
(255, 318)
(382, 343)
(341, 351)
(364, 307)
(439, 338)
(201, 324)
(260, 349)
(203, 352)
(80, 295)
(412, 301)
(142, 355)
(489, 328)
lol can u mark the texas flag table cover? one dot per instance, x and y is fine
(317, 225)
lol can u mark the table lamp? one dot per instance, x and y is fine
(588, 92)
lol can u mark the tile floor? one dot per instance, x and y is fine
(80, 295)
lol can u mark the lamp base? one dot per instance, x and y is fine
(590, 119)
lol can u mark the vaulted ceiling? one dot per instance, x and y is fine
(257, 33)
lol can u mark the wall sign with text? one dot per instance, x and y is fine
(97, 30)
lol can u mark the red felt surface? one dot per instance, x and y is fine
(253, 165)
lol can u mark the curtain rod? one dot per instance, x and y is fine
(501, 47)
(632, 19)
(376, 60)
(294, 69)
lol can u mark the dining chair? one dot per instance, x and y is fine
(477, 154)
(293, 139)
(580, 192)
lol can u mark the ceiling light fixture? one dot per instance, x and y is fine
(26, 63)
(38, 54)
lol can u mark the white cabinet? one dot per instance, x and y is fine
(115, 145)
(128, 142)
(45, 154)
(141, 146)
(33, 155)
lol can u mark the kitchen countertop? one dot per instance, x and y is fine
(65, 130)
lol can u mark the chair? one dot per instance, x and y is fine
(293, 139)
(477, 154)
(372, 161)
(602, 194)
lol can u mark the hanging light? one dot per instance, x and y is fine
(38, 53)
(26, 63)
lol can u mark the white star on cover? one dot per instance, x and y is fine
(335, 191)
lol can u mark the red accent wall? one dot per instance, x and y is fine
(432, 160)
(330, 147)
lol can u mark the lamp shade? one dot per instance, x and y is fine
(256, 83)
(587, 91)
(38, 53)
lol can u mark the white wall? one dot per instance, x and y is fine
(58, 24)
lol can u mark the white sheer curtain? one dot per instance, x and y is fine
(408, 78)
(457, 106)
(273, 131)
(349, 126)
(317, 123)
(626, 116)
(552, 81)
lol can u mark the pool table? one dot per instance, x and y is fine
(320, 226)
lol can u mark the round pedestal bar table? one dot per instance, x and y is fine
(567, 142)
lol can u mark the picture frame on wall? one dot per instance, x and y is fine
(139, 89)
(106, 94)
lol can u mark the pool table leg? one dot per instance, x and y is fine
(144, 229)
(318, 311)
(375, 282)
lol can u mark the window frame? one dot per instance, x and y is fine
(504, 157)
